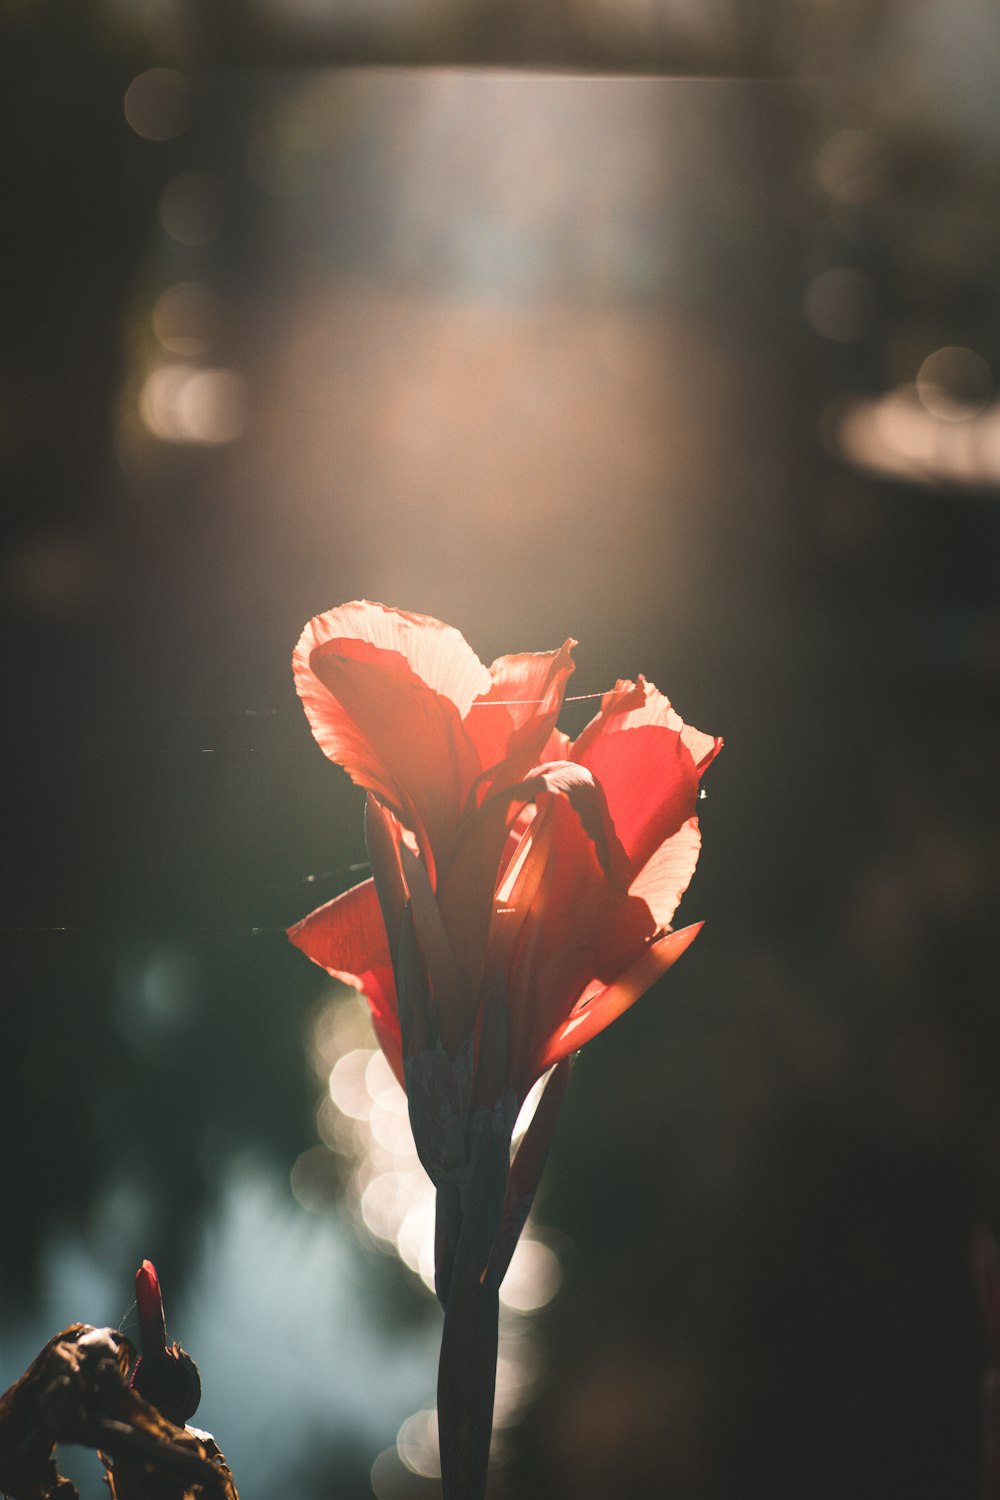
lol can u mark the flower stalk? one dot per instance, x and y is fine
(523, 887)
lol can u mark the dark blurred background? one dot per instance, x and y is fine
(674, 328)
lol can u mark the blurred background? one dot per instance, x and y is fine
(677, 329)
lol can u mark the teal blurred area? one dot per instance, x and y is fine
(678, 333)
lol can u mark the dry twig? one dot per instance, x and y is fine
(77, 1391)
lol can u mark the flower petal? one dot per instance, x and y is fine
(385, 693)
(608, 1003)
(466, 887)
(588, 799)
(644, 698)
(511, 724)
(648, 762)
(346, 937)
(566, 924)
(663, 879)
(438, 654)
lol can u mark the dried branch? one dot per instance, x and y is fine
(77, 1391)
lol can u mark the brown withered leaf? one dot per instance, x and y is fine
(76, 1391)
(186, 1466)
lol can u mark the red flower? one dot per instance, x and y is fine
(523, 890)
(559, 864)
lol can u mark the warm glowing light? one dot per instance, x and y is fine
(417, 1444)
(191, 208)
(381, 1203)
(186, 318)
(185, 404)
(851, 166)
(347, 1084)
(336, 1029)
(841, 304)
(157, 104)
(954, 383)
(898, 434)
(53, 574)
(315, 1181)
(415, 1239)
(532, 1278)
(389, 1478)
(382, 1087)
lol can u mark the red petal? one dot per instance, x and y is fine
(385, 693)
(511, 724)
(643, 697)
(614, 999)
(346, 937)
(581, 790)
(663, 879)
(648, 762)
(569, 924)
(558, 746)
(466, 887)
(438, 654)
(149, 1302)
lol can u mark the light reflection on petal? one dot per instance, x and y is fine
(527, 1112)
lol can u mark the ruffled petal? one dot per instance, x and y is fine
(648, 761)
(603, 1005)
(511, 724)
(438, 654)
(642, 696)
(385, 694)
(346, 937)
(666, 876)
